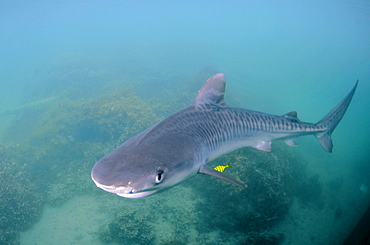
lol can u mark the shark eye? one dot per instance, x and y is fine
(159, 176)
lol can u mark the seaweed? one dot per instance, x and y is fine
(263, 238)
(55, 158)
(20, 202)
(128, 227)
(102, 119)
(195, 210)
(256, 209)
(66, 140)
(309, 192)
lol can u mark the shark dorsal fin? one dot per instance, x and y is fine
(292, 116)
(211, 93)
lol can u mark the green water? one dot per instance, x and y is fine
(80, 78)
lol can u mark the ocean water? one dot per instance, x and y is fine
(78, 78)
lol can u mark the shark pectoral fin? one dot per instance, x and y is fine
(291, 142)
(210, 171)
(263, 145)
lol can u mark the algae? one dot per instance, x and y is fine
(56, 157)
(128, 227)
(257, 208)
(20, 201)
(72, 134)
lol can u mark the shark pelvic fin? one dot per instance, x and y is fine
(211, 93)
(210, 171)
(263, 145)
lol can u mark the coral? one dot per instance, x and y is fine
(254, 209)
(59, 193)
(170, 220)
(309, 191)
(20, 201)
(64, 140)
(263, 238)
(128, 227)
(8, 236)
(72, 135)
(102, 119)
(69, 183)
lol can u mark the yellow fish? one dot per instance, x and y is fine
(221, 168)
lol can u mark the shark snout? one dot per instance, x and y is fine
(115, 189)
(125, 191)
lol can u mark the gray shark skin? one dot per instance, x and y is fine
(179, 146)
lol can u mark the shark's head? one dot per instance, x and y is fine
(137, 170)
(166, 153)
(126, 181)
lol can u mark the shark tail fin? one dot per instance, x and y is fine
(331, 120)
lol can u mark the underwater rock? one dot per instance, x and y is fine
(266, 200)
(110, 117)
(263, 238)
(58, 194)
(128, 227)
(8, 236)
(74, 133)
(309, 192)
(21, 203)
(74, 181)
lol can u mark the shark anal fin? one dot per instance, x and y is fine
(291, 142)
(210, 171)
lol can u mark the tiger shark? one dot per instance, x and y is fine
(181, 145)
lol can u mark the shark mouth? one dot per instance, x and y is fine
(124, 191)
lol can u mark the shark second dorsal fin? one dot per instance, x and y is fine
(212, 92)
(292, 116)
(210, 171)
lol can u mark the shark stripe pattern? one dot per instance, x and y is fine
(179, 146)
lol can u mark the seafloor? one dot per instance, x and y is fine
(47, 196)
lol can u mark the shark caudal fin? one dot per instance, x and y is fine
(331, 120)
